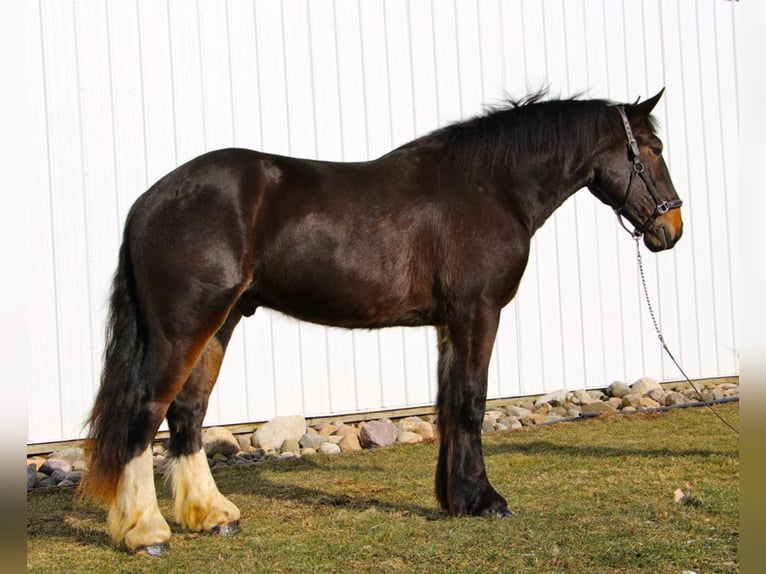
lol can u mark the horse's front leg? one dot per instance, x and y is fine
(465, 347)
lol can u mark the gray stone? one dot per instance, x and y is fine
(329, 448)
(618, 389)
(313, 440)
(217, 440)
(376, 434)
(31, 475)
(488, 425)
(272, 434)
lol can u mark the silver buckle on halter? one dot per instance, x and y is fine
(666, 206)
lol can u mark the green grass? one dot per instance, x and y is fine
(590, 496)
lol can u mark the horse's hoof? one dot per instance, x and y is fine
(153, 549)
(502, 513)
(228, 529)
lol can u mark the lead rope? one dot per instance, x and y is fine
(662, 339)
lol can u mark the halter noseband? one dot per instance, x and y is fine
(661, 207)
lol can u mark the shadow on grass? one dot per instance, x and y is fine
(549, 449)
(252, 481)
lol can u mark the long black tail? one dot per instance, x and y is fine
(121, 397)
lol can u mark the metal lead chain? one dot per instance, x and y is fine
(662, 339)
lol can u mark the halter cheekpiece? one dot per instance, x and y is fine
(661, 206)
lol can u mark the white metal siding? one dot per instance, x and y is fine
(126, 90)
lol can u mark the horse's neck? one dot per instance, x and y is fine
(538, 194)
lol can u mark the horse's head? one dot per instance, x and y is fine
(631, 177)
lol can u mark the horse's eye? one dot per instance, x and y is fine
(657, 150)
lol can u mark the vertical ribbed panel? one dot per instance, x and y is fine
(128, 89)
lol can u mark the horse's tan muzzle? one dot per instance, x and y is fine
(665, 231)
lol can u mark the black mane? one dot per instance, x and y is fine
(526, 132)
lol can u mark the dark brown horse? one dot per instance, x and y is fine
(436, 232)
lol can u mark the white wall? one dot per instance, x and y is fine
(123, 91)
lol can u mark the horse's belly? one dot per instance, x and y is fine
(330, 294)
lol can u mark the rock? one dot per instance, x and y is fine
(596, 395)
(308, 451)
(615, 402)
(53, 463)
(31, 475)
(290, 445)
(555, 398)
(582, 397)
(271, 435)
(674, 398)
(410, 424)
(644, 385)
(426, 430)
(656, 395)
(517, 411)
(73, 453)
(218, 457)
(575, 411)
(244, 442)
(494, 414)
(349, 443)
(313, 440)
(558, 411)
(38, 461)
(649, 403)
(538, 418)
(599, 407)
(344, 429)
(618, 389)
(73, 477)
(376, 434)
(631, 400)
(409, 437)
(629, 409)
(219, 440)
(327, 430)
(488, 425)
(329, 448)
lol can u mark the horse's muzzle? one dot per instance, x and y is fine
(665, 231)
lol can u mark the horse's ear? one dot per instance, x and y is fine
(642, 110)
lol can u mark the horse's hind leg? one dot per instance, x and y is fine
(198, 503)
(133, 514)
(465, 347)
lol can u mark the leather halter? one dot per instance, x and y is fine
(661, 206)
